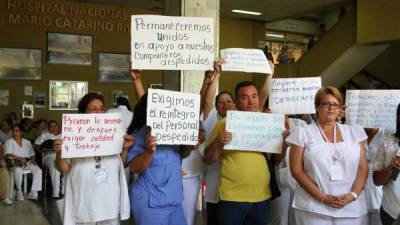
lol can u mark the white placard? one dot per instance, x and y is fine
(293, 95)
(253, 131)
(372, 108)
(173, 117)
(172, 43)
(87, 135)
(245, 60)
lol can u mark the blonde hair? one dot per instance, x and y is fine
(323, 91)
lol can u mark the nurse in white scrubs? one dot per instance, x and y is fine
(329, 163)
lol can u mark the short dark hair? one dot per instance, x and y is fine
(20, 127)
(243, 84)
(50, 122)
(85, 100)
(8, 122)
(123, 101)
(139, 115)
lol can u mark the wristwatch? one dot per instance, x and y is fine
(354, 195)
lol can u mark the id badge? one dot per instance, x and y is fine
(101, 175)
(336, 172)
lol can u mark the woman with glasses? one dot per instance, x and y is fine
(328, 161)
(89, 200)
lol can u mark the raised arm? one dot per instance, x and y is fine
(137, 83)
(264, 91)
(204, 87)
(212, 89)
(143, 160)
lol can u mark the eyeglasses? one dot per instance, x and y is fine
(332, 105)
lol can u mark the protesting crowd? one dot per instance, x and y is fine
(261, 158)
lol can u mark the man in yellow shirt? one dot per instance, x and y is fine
(244, 184)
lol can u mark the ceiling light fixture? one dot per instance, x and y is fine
(246, 12)
(275, 35)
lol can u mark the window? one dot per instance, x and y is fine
(64, 95)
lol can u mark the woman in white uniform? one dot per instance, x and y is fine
(21, 150)
(49, 155)
(386, 165)
(373, 193)
(90, 198)
(192, 168)
(329, 163)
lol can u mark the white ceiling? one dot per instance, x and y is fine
(277, 9)
(271, 9)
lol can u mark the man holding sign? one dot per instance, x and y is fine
(244, 188)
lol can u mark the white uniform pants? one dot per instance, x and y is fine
(49, 162)
(282, 212)
(309, 218)
(115, 221)
(37, 177)
(191, 188)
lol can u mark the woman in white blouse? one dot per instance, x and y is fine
(328, 161)
(22, 152)
(386, 164)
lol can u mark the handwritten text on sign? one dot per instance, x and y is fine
(173, 117)
(246, 60)
(294, 95)
(172, 43)
(87, 135)
(255, 131)
(372, 108)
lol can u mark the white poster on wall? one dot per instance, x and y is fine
(86, 135)
(173, 117)
(293, 95)
(372, 108)
(253, 131)
(245, 60)
(172, 43)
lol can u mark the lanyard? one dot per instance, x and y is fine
(335, 154)
(324, 136)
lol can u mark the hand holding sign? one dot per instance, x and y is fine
(253, 131)
(172, 43)
(293, 95)
(246, 60)
(87, 135)
(173, 117)
(372, 108)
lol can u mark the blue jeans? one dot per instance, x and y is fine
(242, 213)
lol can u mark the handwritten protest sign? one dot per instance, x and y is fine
(173, 117)
(87, 135)
(246, 60)
(255, 131)
(172, 43)
(293, 95)
(372, 108)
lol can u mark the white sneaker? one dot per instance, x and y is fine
(33, 195)
(20, 196)
(7, 201)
